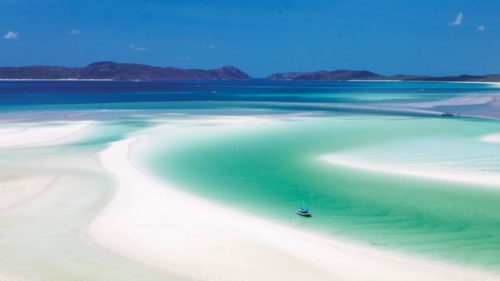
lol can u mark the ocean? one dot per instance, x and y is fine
(390, 184)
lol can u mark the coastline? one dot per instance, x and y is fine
(22, 183)
(14, 137)
(493, 138)
(319, 257)
(66, 79)
(48, 194)
(487, 180)
(492, 83)
(154, 223)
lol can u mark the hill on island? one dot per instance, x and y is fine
(109, 70)
(346, 75)
(121, 71)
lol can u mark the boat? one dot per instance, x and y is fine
(304, 211)
(448, 114)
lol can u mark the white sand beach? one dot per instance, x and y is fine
(164, 230)
(156, 224)
(479, 99)
(39, 135)
(16, 184)
(482, 179)
(493, 138)
(4, 277)
(48, 194)
(22, 187)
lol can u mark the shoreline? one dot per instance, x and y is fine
(492, 138)
(485, 180)
(18, 187)
(20, 184)
(492, 83)
(66, 79)
(157, 224)
(31, 136)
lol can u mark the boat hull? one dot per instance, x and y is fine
(307, 215)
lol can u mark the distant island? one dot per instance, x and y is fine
(121, 71)
(108, 70)
(346, 75)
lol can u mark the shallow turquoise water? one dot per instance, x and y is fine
(270, 169)
(266, 168)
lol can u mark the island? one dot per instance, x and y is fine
(364, 75)
(108, 70)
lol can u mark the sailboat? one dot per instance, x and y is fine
(304, 211)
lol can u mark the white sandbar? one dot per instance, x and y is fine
(483, 179)
(493, 138)
(156, 224)
(38, 135)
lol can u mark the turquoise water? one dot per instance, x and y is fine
(270, 169)
(22, 96)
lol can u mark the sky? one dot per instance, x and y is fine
(261, 37)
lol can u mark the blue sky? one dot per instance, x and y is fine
(260, 37)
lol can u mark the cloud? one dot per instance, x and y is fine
(137, 48)
(481, 28)
(75, 32)
(11, 35)
(458, 20)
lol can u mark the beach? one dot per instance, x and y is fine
(22, 185)
(153, 223)
(39, 134)
(49, 192)
(249, 141)
(487, 180)
(200, 193)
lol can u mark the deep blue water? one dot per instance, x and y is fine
(158, 94)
